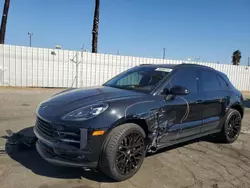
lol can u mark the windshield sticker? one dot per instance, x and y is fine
(164, 69)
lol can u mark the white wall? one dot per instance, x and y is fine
(37, 67)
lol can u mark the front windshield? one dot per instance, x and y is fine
(139, 78)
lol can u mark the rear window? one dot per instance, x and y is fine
(230, 85)
(210, 81)
(223, 83)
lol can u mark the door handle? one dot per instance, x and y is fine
(198, 101)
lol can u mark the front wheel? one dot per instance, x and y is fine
(231, 128)
(123, 152)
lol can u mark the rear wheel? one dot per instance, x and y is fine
(231, 128)
(123, 151)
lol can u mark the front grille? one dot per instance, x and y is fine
(50, 131)
(45, 127)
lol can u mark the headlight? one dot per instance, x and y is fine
(86, 112)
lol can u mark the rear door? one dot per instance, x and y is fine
(214, 99)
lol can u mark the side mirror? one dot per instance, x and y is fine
(165, 91)
(178, 90)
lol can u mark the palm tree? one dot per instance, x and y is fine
(95, 27)
(4, 21)
(236, 57)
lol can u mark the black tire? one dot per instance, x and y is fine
(114, 145)
(230, 132)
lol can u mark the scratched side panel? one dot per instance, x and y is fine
(144, 108)
(182, 117)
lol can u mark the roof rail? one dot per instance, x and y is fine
(197, 65)
(145, 64)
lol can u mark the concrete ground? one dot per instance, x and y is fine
(199, 163)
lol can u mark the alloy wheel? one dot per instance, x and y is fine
(233, 128)
(130, 153)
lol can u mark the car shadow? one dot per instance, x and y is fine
(247, 103)
(29, 158)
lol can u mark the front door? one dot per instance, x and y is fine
(183, 113)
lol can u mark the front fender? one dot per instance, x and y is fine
(118, 113)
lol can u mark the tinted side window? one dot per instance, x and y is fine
(223, 83)
(229, 83)
(185, 77)
(210, 81)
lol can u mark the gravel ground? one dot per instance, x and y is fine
(200, 163)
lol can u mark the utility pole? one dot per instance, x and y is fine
(164, 53)
(30, 37)
(248, 61)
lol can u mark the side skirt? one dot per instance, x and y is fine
(187, 139)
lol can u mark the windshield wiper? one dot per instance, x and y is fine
(121, 87)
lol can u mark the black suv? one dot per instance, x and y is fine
(141, 110)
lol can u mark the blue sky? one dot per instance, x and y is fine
(209, 29)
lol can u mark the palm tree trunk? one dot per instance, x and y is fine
(4, 21)
(95, 27)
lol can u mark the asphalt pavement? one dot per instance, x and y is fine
(198, 163)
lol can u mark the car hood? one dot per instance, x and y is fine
(71, 99)
(93, 94)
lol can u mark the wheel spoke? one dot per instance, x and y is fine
(231, 134)
(126, 142)
(137, 150)
(138, 144)
(121, 161)
(133, 162)
(129, 165)
(122, 152)
(237, 119)
(137, 157)
(126, 162)
(119, 156)
(137, 138)
(235, 130)
(132, 138)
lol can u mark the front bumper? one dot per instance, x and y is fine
(63, 154)
(57, 160)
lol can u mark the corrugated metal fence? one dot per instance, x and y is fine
(43, 67)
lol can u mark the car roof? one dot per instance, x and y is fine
(172, 66)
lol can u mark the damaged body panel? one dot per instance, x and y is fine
(169, 103)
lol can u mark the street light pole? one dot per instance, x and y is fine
(30, 37)
(164, 53)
